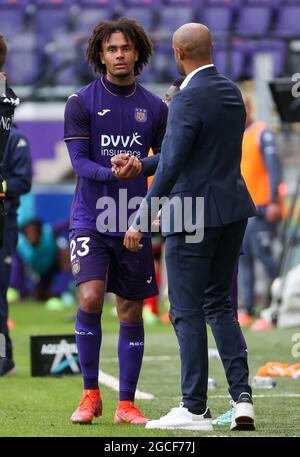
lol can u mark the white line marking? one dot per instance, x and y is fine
(253, 396)
(112, 382)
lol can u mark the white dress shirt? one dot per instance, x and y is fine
(190, 75)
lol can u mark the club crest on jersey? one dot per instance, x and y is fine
(76, 267)
(140, 115)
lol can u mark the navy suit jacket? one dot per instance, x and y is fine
(201, 151)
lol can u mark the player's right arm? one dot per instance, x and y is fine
(77, 138)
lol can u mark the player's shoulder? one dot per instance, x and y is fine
(84, 91)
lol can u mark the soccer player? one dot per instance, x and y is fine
(111, 115)
(15, 180)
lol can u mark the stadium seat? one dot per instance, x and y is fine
(13, 3)
(142, 15)
(276, 48)
(62, 58)
(47, 21)
(163, 64)
(271, 3)
(190, 3)
(254, 20)
(12, 20)
(146, 3)
(53, 2)
(229, 61)
(172, 17)
(102, 3)
(289, 21)
(88, 18)
(24, 61)
(218, 18)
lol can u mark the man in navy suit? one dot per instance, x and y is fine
(200, 157)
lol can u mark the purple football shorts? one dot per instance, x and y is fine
(130, 275)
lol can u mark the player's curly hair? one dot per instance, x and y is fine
(3, 51)
(131, 30)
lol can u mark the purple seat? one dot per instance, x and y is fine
(172, 17)
(24, 61)
(276, 48)
(230, 3)
(47, 21)
(289, 21)
(142, 15)
(13, 3)
(53, 2)
(163, 64)
(11, 20)
(190, 3)
(108, 4)
(254, 20)
(146, 3)
(229, 62)
(271, 3)
(62, 57)
(88, 18)
(217, 18)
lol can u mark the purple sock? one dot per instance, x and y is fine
(130, 352)
(88, 337)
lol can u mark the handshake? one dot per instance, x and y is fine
(125, 166)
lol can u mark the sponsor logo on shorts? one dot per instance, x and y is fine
(149, 280)
(76, 267)
(136, 343)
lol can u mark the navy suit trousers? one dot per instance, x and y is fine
(200, 278)
(6, 253)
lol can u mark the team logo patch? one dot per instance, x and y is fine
(76, 267)
(140, 115)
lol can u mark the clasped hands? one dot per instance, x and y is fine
(125, 166)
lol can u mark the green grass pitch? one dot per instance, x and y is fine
(41, 407)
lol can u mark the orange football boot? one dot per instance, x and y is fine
(128, 413)
(90, 405)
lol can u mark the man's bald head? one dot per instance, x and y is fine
(195, 41)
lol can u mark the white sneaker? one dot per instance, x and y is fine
(183, 419)
(243, 416)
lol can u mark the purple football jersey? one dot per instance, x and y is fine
(111, 119)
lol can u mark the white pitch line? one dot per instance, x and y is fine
(253, 396)
(112, 382)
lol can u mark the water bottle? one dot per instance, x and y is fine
(212, 384)
(2, 85)
(263, 382)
